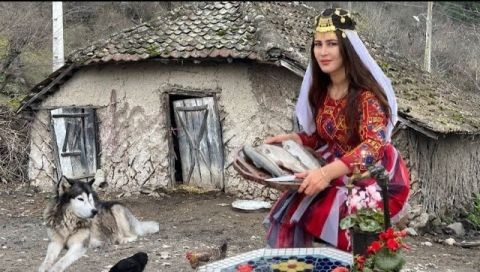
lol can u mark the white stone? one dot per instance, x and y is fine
(450, 241)
(164, 255)
(457, 227)
(411, 232)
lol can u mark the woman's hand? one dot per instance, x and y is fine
(314, 181)
(283, 137)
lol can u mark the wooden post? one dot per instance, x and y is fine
(428, 39)
(57, 35)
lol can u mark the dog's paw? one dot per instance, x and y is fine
(125, 240)
(94, 243)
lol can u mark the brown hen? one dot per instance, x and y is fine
(200, 257)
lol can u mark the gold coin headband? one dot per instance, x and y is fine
(334, 19)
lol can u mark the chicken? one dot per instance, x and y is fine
(204, 256)
(135, 263)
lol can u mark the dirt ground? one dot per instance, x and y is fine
(188, 221)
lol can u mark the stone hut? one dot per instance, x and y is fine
(171, 101)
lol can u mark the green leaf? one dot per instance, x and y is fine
(348, 222)
(385, 261)
(370, 225)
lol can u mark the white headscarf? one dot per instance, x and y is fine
(304, 111)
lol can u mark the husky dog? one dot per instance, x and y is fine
(77, 219)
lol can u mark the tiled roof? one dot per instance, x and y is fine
(268, 31)
(209, 31)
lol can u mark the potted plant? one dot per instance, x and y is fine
(366, 217)
(384, 254)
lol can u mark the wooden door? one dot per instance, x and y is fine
(200, 143)
(74, 134)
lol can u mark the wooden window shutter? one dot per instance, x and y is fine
(75, 137)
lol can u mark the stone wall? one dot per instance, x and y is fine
(253, 100)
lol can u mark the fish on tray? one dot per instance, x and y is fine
(282, 158)
(301, 154)
(262, 161)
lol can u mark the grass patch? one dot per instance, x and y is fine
(474, 216)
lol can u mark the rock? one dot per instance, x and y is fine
(164, 255)
(419, 222)
(457, 227)
(427, 244)
(265, 193)
(100, 182)
(414, 212)
(450, 241)
(436, 225)
(411, 232)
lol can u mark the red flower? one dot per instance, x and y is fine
(388, 234)
(390, 239)
(360, 261)
(340, 269)
(374, 247)
(392, 244)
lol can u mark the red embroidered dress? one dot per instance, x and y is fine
(296, 219)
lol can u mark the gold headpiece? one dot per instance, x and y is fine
(333, 19)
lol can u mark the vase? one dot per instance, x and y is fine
(362, 240)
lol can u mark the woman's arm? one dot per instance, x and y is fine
(313, 141)
(318, 179)
(283, 137)
(372, 131)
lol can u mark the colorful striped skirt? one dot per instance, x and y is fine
(296, 219)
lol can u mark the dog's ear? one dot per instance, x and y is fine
(64, 185)
(70, 182)
(91, 182)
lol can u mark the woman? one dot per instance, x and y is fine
(347, 110)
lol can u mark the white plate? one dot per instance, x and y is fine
(251, 205)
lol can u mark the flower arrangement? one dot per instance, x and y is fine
(365, 213)
(384, 254)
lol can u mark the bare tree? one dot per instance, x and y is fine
(23, 27)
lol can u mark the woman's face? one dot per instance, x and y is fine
(326, 49)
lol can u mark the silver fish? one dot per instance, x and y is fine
(301, 154)
(281, 157)
(262, 161)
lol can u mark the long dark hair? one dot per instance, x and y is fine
(359, 78)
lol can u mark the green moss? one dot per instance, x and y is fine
(221, 32)
(152, 50)
(3, 46)
(14, 103)
(458, 117)
(384, 65)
